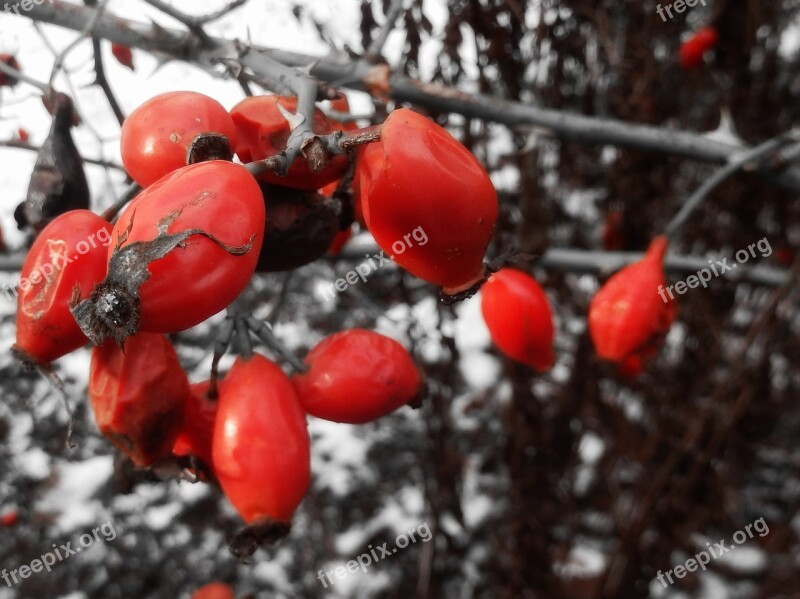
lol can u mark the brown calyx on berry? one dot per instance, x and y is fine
(262, 532)
(209, 146)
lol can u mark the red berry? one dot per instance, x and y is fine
(518, 316)
(165, 287)
(261, 451)
(263, 131)
(693, 49)
(9, 519)
(628, 313)
(22, 135)
(420, 178)
(138, 394)
(215, 590)
(341, 239)
(197, 432)
(158, 134)
(124, 55)
(68, 254)
(357, 376)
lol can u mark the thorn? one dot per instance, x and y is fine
(294, 120)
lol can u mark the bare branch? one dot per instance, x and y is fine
(20, 76)
(100, 72)
(102, 81)
(396, 9)
(594, 262)
(568, 126)
(220, 13)
(735, 163)
(602, 263)
(339, 142)
(23, 145)
(97, 14)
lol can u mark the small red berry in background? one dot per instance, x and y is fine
(52, 271)
(693, 49)
(139, 394)
(419, 177)
(628, 313)
(356, 376)
(784, 255)
(9, 519)
(261, 451)
(157, 135)
(263, 131)
(124, 55)
(518, 316)
(22, 135)
(215, 590)
(613, 239)
(8, 80)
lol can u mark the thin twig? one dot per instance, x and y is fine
(339, 142)
(220, 13)
(24, 145)
(735, 163)
(100, 73)
(97, 14)
(396, 9)
(112, 211)
(102, 81)
(20, 76)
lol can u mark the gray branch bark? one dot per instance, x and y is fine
(257, 63)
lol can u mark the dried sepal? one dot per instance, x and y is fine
(112, 309)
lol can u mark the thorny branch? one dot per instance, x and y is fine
(259, 66)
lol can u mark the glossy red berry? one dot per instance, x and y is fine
(421, 178)
(357, 376)
(693, 49)
(156, 137)
(263, 131)
(629, 313)
(261, 452)
(183, 250)
(70, 253)
(138, 394)
(518, 316)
